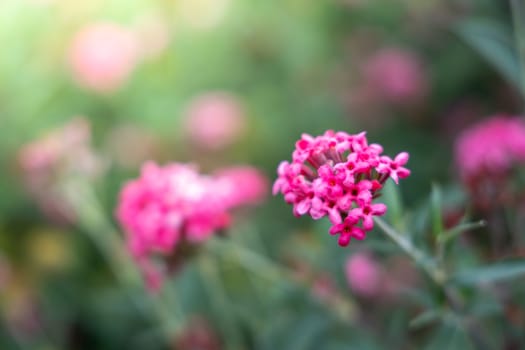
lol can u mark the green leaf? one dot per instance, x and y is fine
(437, 216)
(449, 337)
(459, 229)
(495, 43)
(490, 274)
(392, 199)
(425, 318)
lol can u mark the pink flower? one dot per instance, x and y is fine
(363, 275)
(214, 120)
(198, 334)
(395, 75)
(241, 185)
(338, 175)
(102, 56)
(60, 153)
(394, 168)
(170, 209)
(491, 147)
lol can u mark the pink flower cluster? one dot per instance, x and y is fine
(47, 161)
(214, 120)
(175, 206)
(396, 75)
(338, 175)
(491, 147)
(103, 55)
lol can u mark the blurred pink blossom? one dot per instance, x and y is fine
(491, 147)
(363, 275)
(102, 56)
(395, 75)
(198, 335)
(241, 185)
(214, 120)
(61, 153)
(170, 209)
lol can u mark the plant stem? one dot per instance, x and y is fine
(426, 263)
(518, 17)
(79, 193)
(438, 275)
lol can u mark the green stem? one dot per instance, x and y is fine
(81, 196)
(425, 262)
(518, 17)
(217, 293)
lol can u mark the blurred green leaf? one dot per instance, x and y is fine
(489, 274)
(425, 318)
(450, 338)
(494, 42)
(437, 215)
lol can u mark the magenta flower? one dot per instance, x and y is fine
(363, 274)
(396, 75)
(172, 209)
(214, 120)
(491, 147)
(338, 175)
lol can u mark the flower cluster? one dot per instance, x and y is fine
(338, 175)
(396, 75)
(61, 153)
(214, 120)
(173, 208)
(491, 147)
(103, 55)
(487, 155)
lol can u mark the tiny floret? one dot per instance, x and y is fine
(339, 175)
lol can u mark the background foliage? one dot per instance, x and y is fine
(276, 282)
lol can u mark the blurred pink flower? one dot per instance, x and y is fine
(241, 185)
(102, 56)
(198, 335)
(338, 175)
(491, 147)
(395, 75)
(363, 275)
(61, 153)
(214, 120)
(170, 209)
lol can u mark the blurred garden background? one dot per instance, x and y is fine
(90, 91)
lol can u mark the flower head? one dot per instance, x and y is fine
(102, 56)
(168, 210)
(491, 147)
(59, 154)
(338, 175)
(396, 75)
(363, 274)
(486, 156)
(214, 120)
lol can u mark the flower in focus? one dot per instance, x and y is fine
(102, 56)
(215, 120)
(339, 175)
(168, 211)
(486, 155)
(61, 153)
(363, 275)
(396, 76)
